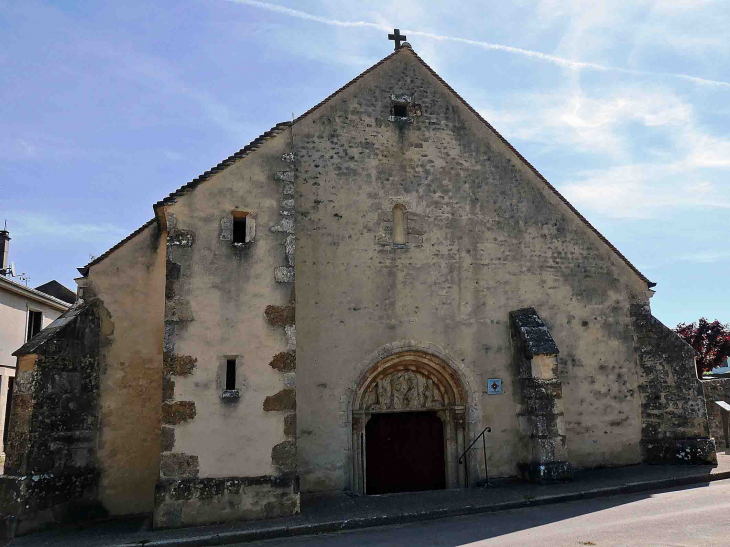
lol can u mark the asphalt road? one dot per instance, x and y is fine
(688, 516)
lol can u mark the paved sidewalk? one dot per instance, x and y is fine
(334, 512)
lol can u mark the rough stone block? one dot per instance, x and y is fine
(283, 274)
(291, 338)
(178, 365)
(290, 379)
(284, 456)
(286, 399)
(180, 238)
(290, 248)
(284, 362)
(177, 412)
(545, 473)
(285, 176)
(178, 310)
(167, 439)
(179, 465)
(285, 225)
(279, 315)
(230, 395)
(226, 232)
(531, 332)
(290, 425)
(191, 501)
(168, 388)
(700, 451)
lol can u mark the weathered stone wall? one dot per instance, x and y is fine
(674, 425)
(484, 236)
(131, 284)
(230, 453)
(717, 389)
(541, 416)
(51, 471)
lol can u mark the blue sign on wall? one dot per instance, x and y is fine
(494, 386)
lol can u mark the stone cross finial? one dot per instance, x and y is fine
(397, 37)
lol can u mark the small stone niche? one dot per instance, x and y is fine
(239, 228)
(402, 108)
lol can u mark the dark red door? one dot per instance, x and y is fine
(404, 453)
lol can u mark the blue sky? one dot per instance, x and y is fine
(106, 107)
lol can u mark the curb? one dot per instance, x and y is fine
(244, 536)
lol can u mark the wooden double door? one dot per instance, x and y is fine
(404, 452)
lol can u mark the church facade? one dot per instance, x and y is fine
(346, 304)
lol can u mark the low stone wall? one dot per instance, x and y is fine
(716, 390)
(674, 420)
(188, 502)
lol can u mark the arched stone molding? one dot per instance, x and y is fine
(383, 352)
(411, 377)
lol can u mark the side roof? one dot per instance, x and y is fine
(56, 290)
(33, 294)
(256, 143)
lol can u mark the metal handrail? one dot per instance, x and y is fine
(465, 456)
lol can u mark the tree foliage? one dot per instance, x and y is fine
(711, 341)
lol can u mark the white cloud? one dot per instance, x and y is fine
(25, 224)
(706, 257)
(655, 155)
(643, 191)
(589, 121)
(583, 32)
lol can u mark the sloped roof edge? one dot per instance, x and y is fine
(84, 270)
(32, 345)
(256, 143)
(534, 170)
(230, 160)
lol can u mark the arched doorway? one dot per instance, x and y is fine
(408, 425)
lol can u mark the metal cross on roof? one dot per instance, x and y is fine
(397, 37)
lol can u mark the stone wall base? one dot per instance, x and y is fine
(545, 473)
(699, 451)
(189, 502)
(33, 503)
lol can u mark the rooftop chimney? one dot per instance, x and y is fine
(4, 246)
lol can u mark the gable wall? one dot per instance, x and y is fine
(485, 237)
(130, 283)
(234, 455)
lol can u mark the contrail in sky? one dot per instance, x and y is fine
(554, 59)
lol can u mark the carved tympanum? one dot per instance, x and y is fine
(402, 390)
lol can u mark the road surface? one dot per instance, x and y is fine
(689, 516)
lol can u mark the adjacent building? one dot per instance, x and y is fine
(24, 312)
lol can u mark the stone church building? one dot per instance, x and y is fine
(346, 304)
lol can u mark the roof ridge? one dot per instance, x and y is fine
(534, 169)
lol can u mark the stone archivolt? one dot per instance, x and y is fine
(409, 380)
(402, 390)
(404, 382)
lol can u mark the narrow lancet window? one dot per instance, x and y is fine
(399, 225)
(230, 374)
